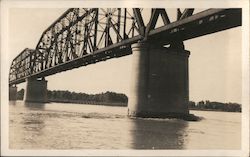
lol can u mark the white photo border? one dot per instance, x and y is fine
(8, 4)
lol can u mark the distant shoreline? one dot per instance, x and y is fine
(90, 103)
(197, 109)
(123, 105)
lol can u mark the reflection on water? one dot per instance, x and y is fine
(76, 126)
(12, 102)
(159, 134)
(35, 106)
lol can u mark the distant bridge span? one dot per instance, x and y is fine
(160, 86)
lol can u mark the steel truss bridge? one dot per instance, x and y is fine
(83, 36)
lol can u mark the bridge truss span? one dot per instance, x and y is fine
(83, 36)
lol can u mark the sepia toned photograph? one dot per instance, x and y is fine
(120, 79)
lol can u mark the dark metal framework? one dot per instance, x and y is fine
(83, 36)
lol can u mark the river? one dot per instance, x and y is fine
(77, 126)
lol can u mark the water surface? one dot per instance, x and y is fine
(77, 126)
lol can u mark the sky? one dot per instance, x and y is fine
(214, 63)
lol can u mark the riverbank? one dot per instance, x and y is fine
(89, 102)
(215, 110)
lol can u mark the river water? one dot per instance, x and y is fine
(77, 126)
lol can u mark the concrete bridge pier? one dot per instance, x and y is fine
(36, 90)
(12, 93)
(159, 83)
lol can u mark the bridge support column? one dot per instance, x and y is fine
(36, 90)
(159, 84)
(12, 93)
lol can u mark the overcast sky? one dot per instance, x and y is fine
(214, 63)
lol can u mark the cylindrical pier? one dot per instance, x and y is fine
(159, 83)
(36, 90)
(12, 93)
(139, 81)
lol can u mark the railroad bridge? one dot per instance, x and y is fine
(83, 36)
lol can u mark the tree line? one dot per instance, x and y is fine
(20, 94)
(119, 99)
(213, 105)
(107, 98)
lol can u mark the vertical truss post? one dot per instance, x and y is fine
(76, 39)
(124, 24)
(96, 27)
(133, 28)
(31, 62)
(85, 40)
(118, 23)
(107, 41)
(41, 60)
